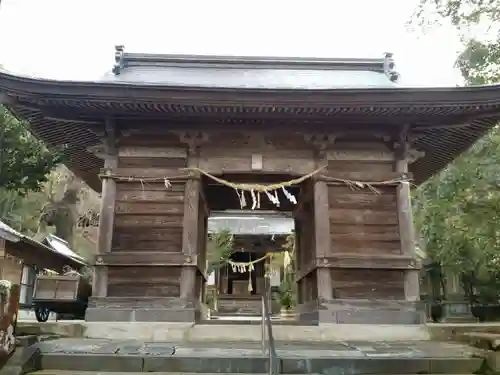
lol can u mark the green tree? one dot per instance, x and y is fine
(478, 24)
(64, 206)
(458, 211)
(24, 160)
(220, 247)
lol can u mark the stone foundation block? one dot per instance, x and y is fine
(342, 311)
(144, 309)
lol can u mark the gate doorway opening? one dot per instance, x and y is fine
(259, 231)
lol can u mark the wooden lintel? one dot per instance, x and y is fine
(142, 258)
(360, 155)
(359, 261)
(152, 152)
(363, 176)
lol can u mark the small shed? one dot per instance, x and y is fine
(21, 257)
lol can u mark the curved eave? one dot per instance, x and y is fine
(125, 91)
(476, 109)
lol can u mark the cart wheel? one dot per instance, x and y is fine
(42, 314)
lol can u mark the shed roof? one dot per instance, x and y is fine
(62, 247)
(38, 248)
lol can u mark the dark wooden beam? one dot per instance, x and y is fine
(214, 120)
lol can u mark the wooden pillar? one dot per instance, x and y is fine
(322, 238)
(308, 242)
(405, 221)
(298, 259)
(107, 209)
(190, 230)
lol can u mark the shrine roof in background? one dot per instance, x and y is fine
(251, 223)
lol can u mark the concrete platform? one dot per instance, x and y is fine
(360, 357)
(187, 332)
(61, 372)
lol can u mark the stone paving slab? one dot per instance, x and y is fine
(295, 358)
(423, 349)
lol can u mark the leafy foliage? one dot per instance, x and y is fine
(478, 23)
(458, 210)
(55, 208)
(287, 290)
(220, 247)
(286, 295)
(24, 161)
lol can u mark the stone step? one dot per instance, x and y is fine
(231, 362)
(62, 372)
(65, 372)
(483, 340)
(365, 357)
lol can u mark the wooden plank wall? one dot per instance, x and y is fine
(148, 281)
(364, 231)
(239, 160)
(148, 220)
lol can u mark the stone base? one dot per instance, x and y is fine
(457, 312)
(239, 306)
(141, 309)
(196, 333)
(342, 311)
(205, 333)
(136, 357)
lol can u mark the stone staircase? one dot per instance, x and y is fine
(77, 356)
(248, 307)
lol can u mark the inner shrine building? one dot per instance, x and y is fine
(334, 143)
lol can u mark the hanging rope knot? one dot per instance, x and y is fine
(255, 190)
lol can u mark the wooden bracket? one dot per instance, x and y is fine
(321, 142)
(193, 140)
(108, 143)
(109, 139)
(402, 146)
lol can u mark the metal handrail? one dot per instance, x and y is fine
(266, 323)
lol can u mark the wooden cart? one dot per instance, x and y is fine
(67, 296)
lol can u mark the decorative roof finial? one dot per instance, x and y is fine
(389, 67)
(119, 52)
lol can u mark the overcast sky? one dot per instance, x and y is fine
(70, 39)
